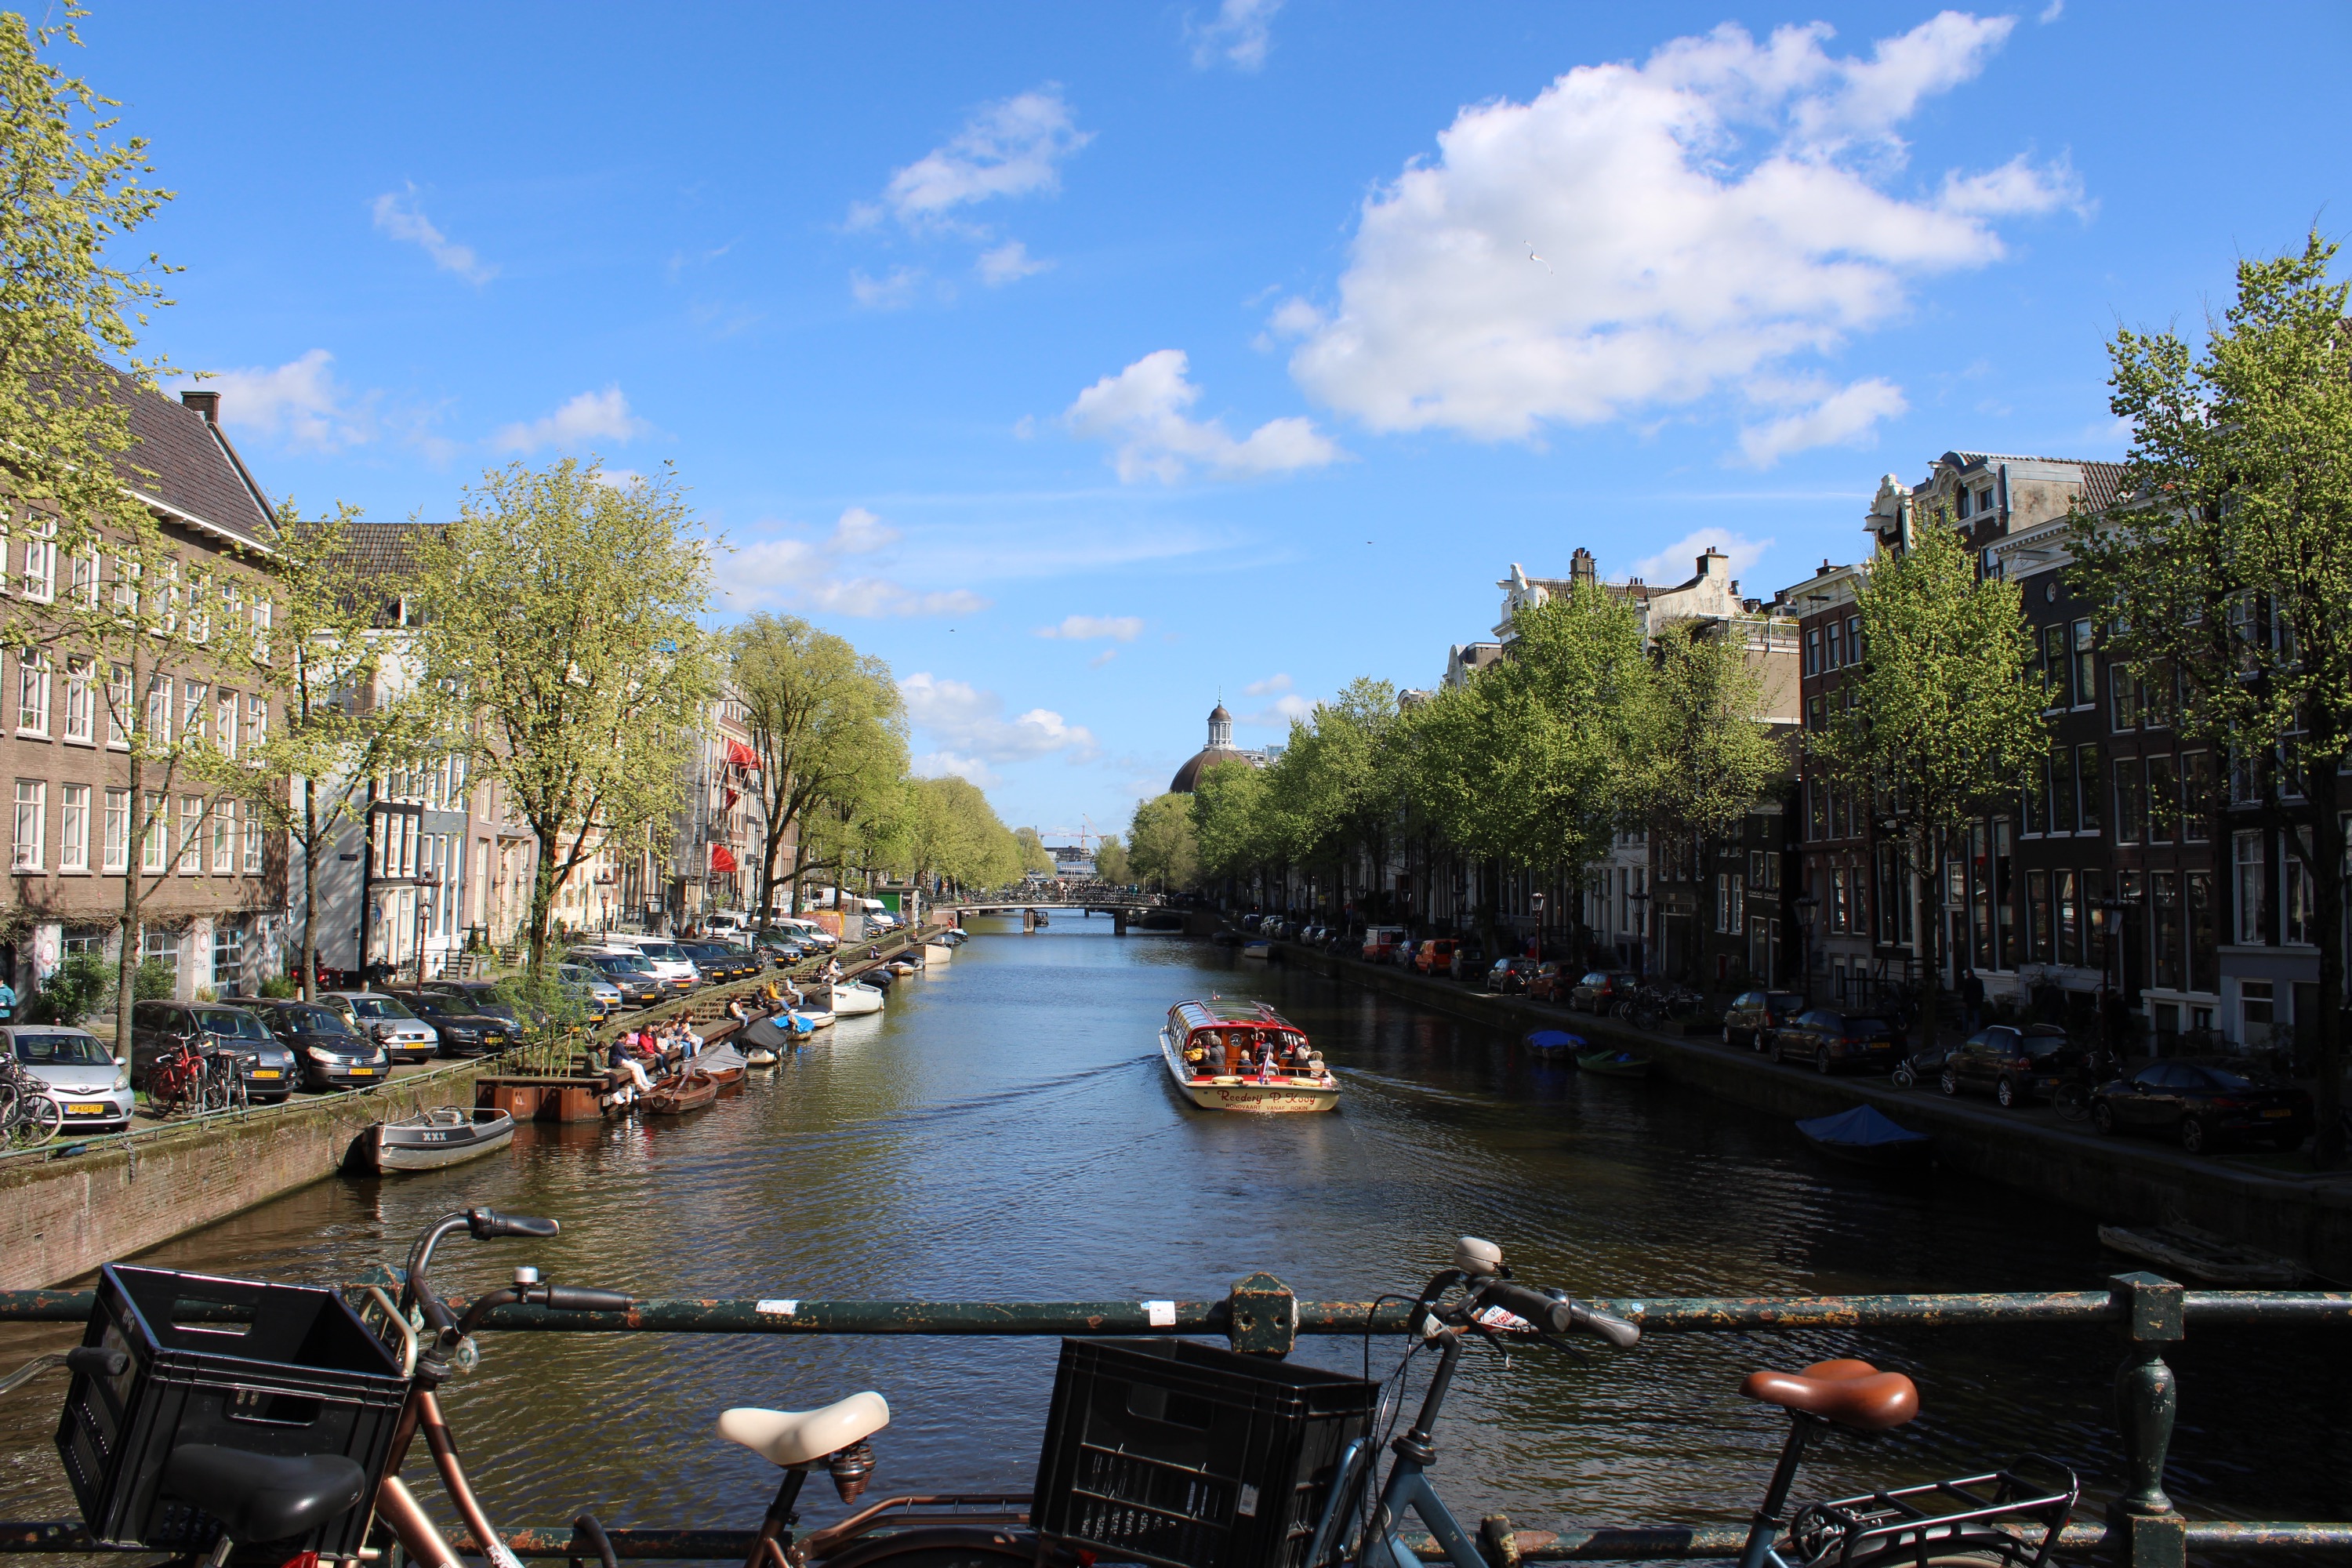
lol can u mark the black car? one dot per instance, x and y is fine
(1601, 990)
(1509, 976)
(1830, 1040)
(464, 1032)
(477, 996)
(267, 1067)
(1754, 1014)
(718, 962)
(1469, 960)
(2205, 1103)
(330, 1053)
(638, 985)
(2014, 1063)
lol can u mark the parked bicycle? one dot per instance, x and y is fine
(1892, 1529)
(195, 1079)
(2072, 1098)
(1648, 1006)
(30, 1114)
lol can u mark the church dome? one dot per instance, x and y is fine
(1220, 749)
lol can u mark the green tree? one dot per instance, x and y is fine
(952, 832)
(1944, 722)
(567, 613)
(1162, 847)
(1234, 822)
(2227, 571)
(1111, 863)
(1035, 856)
(824, 718)
(351, 707)
(1338, 784)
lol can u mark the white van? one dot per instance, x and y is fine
(664, 957)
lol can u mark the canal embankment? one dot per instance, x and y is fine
(70, 1207)
(2116, 1180)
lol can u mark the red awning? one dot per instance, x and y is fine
(741, 756)
(722, 858)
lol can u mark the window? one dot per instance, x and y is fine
(118, 704)
(1962, 503)
(32, 692)
(2204, 954)
(257, 721)
(2248, 854)
(2163, 799)
(2028, 810)
(2037, 918)
(90, 942)
(2060, 796)
(252, 842)
(73, 827)
(2054, 666)
(1840, 823)
(261, 608)
(1813, 713)
(2087, 771)
(1840, 901)
(200, 605)
(2086, 683)
(2298, 912)
(31, 821)
(41, 560)
(228, 956)
(1854, 639)
(81, 701)
(2131, 799)
(196, 706)
(225, 723)
(2070, 919)
(158, 712)
(2255, 1004)
(2004, 896)
(1817, 808)
(191, 835)
(2122, 696)
(171, 597)
(232, 605)
(411, 826)
(118, 832)
(85, 581)
(155, 847)
(224, 838)
(126, 585)
(161, 947)
(1812, 653)
(1837, 644)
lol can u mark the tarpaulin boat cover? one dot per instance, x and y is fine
(1555, 1041)
(770, 1034)
(1860, 1127)
(719, 1057)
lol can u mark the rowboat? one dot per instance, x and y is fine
(1611, 1062)
(1864, 1137)
(432, 1138)
(723, 1065)
(851, 1000)
(2201, 1255)
(1201, 1040)
(689, 1090)
(938, 952)
(759, 1057)
(1257, 947)
(1548, 1040)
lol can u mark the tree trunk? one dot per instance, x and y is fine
(1931, 939)
(310, 840)
(542, 898)
(2325, 865)
(126, 967)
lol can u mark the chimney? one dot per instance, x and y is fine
(1707, 562)
(205, 404)
(1581, 568)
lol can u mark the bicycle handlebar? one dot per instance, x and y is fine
(1559, 1315)
(486, 1223)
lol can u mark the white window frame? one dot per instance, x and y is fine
(155, 845)
(158, 728)
(33, 672)
(73, 827)
(196, 702)
(29, 848)
(117, 703)
(81, 703)
(191, 856)
(40, 580)
(115, 841)
(224, 838)
(257, 721)
(225, 706)
(252, 842)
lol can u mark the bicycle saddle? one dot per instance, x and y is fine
(1850, 1393)
(791, 1437)
(262, 1496)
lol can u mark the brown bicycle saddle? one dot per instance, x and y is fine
(1850, 1393)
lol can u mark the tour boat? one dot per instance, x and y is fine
(432, 1138)
(1207, 1026)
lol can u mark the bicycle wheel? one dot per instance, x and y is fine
(214, 1093)
(2072, 1102)
(42, 1118)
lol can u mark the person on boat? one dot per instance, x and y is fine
(1302, 1055)
(1196, 1059)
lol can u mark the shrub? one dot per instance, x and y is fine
(154, 982)
(76, 989)
(281, 986)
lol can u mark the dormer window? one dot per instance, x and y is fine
(1960, 505)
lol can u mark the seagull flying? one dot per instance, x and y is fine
(1533, 257)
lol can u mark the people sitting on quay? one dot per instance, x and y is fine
(624, 1077)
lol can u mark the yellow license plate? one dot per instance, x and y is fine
(363, 1073)
(265, 1072)
(88, 1108)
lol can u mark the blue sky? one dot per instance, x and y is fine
(1240, 347)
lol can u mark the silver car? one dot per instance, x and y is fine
(385, 1019)
(603, 997)
(77, 1070)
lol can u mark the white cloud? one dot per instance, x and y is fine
(939, 764)
(590, 417)
(1237, 35)
(1280, 713)
(1141, 409)
(1012, 148)
(1707, 221)
(893, 291)
(1847, 416)
(299, 402)
(1009, 263)
(964, 722)
(398, 215)
(808, 574)
(1270, 684)
(620, 478)
(1088, 628)
(1102, 658)
(2052, 12)
(1675, 563)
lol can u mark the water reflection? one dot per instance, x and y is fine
(1005, 1130)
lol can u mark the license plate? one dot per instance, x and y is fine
(2280, 1113)
(88, 1108)
(266, 1072)
(363, 1073)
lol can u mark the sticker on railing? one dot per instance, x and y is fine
(1159, 1314)
(779, 1305)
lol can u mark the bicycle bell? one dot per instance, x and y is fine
(1479, 1259)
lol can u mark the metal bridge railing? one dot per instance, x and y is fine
(1261, 1315)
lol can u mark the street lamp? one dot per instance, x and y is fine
(1639, 898)
(1805, 904)
(1537, 901)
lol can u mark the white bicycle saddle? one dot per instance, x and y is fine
(789, 1438)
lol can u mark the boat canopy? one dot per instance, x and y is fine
(1221, 1014)
(1860, 1127)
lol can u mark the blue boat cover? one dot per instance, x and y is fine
(1556, 1040)
(1860, 1127)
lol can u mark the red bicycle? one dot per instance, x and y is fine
(191, 1078)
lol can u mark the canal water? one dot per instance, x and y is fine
(1005, 1130)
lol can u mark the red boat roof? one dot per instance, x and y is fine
(1219, 1012)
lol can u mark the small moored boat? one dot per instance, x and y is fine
(2201, 1255)
(1864, 1137)
(852, 1000)
(1550, 1040)
(432, 1138)
(689, 1090)
(759, 1057)
(1211, 1049)
(1257, 947)
(938, 952)
(1611, 1062)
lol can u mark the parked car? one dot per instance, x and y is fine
(1469, 960)
(1435, 956)
(1251, 922)
(2016, 1063)
(719, 962)
(463, 1031)
(331, 1053)
(668, 961)
(1550, 982)
(268, 1067)
(1601, 989)
(630, 975)
(589, 986)
(408, 1038)
(812, 934)
(74, 1066)
(485, 997)
(1509, 976)
(1381, 943)
(2205, 1103)
(1830, 1040)
(1754, 1014)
